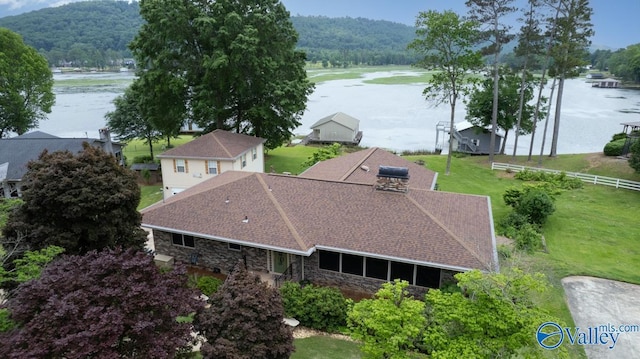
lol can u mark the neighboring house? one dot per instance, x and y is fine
(16, 152)
(355, 229)
(207, 156)
(467, 138)
(339, 127)
(606, 83)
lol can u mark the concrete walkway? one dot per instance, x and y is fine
(595, 303)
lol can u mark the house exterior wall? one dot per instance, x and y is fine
(314, 274)
(483, 137)
(333, 131)
(196, 170)
(211, 254)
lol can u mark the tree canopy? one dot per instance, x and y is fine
(244, 320)
(479, 110)
(109, 304)
(26, 85)
(231, 64)
(445, 41)
(79, 202)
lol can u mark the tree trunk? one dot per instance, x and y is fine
(546, 122)
(556, 120)
(542, 80)
(451, 129)
(520, 108)
(494, 112)
(504, 141)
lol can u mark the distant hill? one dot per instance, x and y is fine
(93, 33)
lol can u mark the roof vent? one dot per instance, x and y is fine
(395, 179)
(364, 168)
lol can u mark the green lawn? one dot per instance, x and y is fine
(288, 159)
(324, 347)
(137, 148)
(149, 195)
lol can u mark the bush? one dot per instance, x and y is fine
(614, 148)
(618, 136)
(143, 159)
(634, 160)
(510, 224)
(208, 285)
(559, 180)
(321, 308)
(536, 205)
(528, 238)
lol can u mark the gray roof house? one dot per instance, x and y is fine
(17, 151)
(467, 138)
(348, 223)
(339, 127)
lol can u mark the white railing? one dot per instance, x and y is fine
(593, 179)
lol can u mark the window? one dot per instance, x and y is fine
(377, 268)
(402, 271)
(244, 161)
(181, 166)
(330, 260)
(428, 277)
(212, 167)
(234, 247)
(183, 240)
(254, 153)
(352, 264)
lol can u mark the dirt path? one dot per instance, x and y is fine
(595, 303)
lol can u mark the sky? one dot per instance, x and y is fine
(616, 22)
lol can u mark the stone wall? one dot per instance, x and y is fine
(211, 254)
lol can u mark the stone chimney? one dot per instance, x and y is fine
(394, 179)
(105, 137)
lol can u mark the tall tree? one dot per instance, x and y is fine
(625, 63)
(244, 320)
(79, 202)
(573, 29)
(128, 122)
(26, 85)
(109, 304)
(445, 42)
(491, 13)
(237, 60)
(479, 109)
(530, 46)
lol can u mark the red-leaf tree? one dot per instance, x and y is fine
(109, 304)
(244, 321)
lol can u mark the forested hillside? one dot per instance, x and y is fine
(96, 34)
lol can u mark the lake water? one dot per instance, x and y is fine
(391, 116)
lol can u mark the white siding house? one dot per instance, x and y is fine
(338, 127)
(207, 156)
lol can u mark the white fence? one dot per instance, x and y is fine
(593, 179)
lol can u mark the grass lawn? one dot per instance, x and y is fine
(288, 159)
(149, 195)
(324, 347)
(137, 148)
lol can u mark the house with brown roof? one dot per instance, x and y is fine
(355, 227)
(207, 156)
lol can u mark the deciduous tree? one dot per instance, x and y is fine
(127, 121)
(237, 60)
(479, 106)
(634, 159)
(244, 320)
(79, 202)
(390, 325)
(26, 85)
(493, 316)
(109, 304)
(445, 42)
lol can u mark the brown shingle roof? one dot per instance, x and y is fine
(218, 144)
(349, 168)
(297, 214)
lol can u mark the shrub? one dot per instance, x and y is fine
(321, 308)
(618, 136)
(510, 224)
(536, 205)
(208, 285)
(504, 252)
(614, 148)
(143, 159)
(634, 160)
(528, 238)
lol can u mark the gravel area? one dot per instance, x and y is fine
(302, 332)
